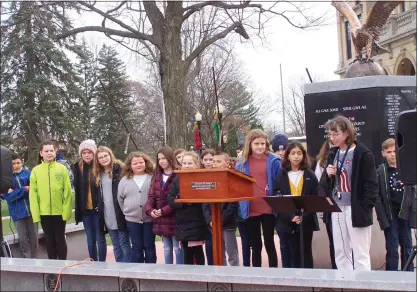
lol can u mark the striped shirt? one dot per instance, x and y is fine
(344, 179)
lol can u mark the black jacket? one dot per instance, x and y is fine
(120, 217)
(364, 188)
(325, 191)
(190, 221)
(310, 187)
(383, 205)
(229, 214)
(81, 183)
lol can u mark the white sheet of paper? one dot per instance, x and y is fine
(329, 201)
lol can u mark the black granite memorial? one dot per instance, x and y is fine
(370, 103)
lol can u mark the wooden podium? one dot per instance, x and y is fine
(215, 186)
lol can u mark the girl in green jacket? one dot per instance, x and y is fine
(50, 198)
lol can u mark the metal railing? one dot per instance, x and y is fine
(396, 26)
(399, 24)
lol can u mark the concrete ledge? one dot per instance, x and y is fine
(360, 82)
(151, 277)
(75, 235)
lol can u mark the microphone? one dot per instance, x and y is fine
(330, 158)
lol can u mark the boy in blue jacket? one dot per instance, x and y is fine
(18, 202)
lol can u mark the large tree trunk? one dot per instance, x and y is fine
(31, 132)
(173, 78)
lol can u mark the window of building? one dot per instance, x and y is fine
(403, 7)
(348, 39)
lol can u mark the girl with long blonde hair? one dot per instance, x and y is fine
(107, 172)
(258, 162)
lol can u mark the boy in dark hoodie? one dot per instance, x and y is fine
(279, 146)
(18, 202)
(396, 209)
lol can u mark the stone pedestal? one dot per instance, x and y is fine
(372, 104)
(363, 68)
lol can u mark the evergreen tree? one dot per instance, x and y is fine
(38, 83)
(107, 127)
(86, 67)
(232, 143)
(256, 125)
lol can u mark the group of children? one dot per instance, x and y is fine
(134, 201)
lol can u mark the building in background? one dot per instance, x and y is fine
(399, 36)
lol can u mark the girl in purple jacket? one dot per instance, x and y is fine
(164, 221)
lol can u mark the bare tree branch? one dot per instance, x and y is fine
(112, 10)
(106, 15)
(197, 7)
(155, 17)
(204, 44)
(131, 33)
(105, 30)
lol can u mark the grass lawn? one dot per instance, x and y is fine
(4, 209)
(9, 227)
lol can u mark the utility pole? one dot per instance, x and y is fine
(281, 82)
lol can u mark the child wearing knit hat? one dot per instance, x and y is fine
(86, 201)
(87, 145)
(279, 145)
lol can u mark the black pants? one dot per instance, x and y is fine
(54, 232)
(328, 225)
(193, 252)
(267, 223)
(294, 241)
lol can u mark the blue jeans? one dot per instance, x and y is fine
(398, 234)
(285, 250)
(143, 242)
(121, 246)
(170, 243)
(95, 241)
(245, 243)
(209, 249)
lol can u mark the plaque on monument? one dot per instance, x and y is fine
(370, 103)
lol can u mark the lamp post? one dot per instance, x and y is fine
(221, 110)
(198, 118)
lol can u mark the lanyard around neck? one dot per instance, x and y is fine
(340, 163)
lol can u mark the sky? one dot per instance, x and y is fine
(293, 48)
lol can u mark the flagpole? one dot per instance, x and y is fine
(284, 118)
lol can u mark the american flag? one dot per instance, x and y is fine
(344, 177)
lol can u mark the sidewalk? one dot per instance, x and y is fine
(160, 253)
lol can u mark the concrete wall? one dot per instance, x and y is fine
(77, 246)
(41, 275)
